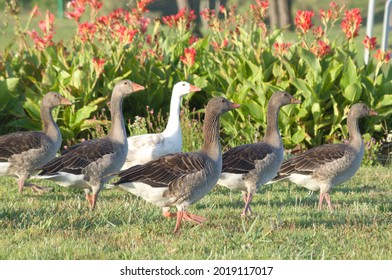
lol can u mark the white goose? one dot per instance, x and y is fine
(21, 153)
(249, 166)
(322, 167)
(88, 165)
(181, 179)
(146, 147)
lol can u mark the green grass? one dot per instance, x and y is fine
(286, 224)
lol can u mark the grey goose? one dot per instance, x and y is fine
(22, 152)
(146, 147)
(87, 165)
(249, 166)
(325, 166)
(181, 179)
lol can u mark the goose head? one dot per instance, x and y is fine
(126, 87)
(281, 98)
(220, 105)
(53, 99)
(361, 110)
(182, 88)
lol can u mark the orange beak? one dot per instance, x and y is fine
(194, 88)
(65, 101)
(295, 101)
(373, 113)
(137, 87)
(235, 105)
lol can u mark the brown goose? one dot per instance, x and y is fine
(249, 166)
(181, 179)
(88, 164)
(324, 166)
(22, 152)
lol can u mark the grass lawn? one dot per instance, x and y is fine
(286, 224)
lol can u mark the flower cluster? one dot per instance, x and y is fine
(281, 49)
(382, 56)
(351, 23)
(47, 28)
(79, 6)
(303, 21)
(370, 43)
(182, 18)
(331, 15)
(320, 49)
(188, 58)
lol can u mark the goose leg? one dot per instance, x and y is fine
(321, 200)
(247, 210)
(20, 185)
(328, 199)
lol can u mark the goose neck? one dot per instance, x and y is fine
(356, 140)
(50, 127)
(173, 125)
(211, 144)
(117, 131)
(272, 135)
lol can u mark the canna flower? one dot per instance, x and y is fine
(193, 40)
(86, 31)
(47, 28)
(318, 32)
(321, 49)
(181, 18)
(303, 21)
(370, 43)
(35, 12)
(98, 65)
(78, 9)
(382, 56)
(189, 57)
(351, 23)
(281, 49)
(260, 9)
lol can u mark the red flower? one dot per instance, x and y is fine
(78, 9)
(193, 40)
(351, 23)
(260, 9)
(303, 21)
(98, 65)
(181, 18)
(318, 32)
(35, 11)
(47, 27)
(321, 49)
(86, 31)
(281, 49)
(370, 43)
(207, 14)
(189, 57)
(382, 56)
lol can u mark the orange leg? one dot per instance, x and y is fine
(20, 185)
(328, 199)
(168, 214)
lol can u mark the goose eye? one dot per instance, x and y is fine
(125, 83)
(183, 85)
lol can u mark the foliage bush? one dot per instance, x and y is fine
(240, 57)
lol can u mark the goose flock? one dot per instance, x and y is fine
(153, 166)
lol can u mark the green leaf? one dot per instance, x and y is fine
(349, 76)
(316, 111)
(298, 136)
(352, 92)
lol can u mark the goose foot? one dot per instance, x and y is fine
(39, 189)
(92, 199)
(182, 215)
(169, 215)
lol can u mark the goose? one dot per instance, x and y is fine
(21, 152)
(181, 179)
(146, 147)
(249, 166)
(87, 165)
(322, 167)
